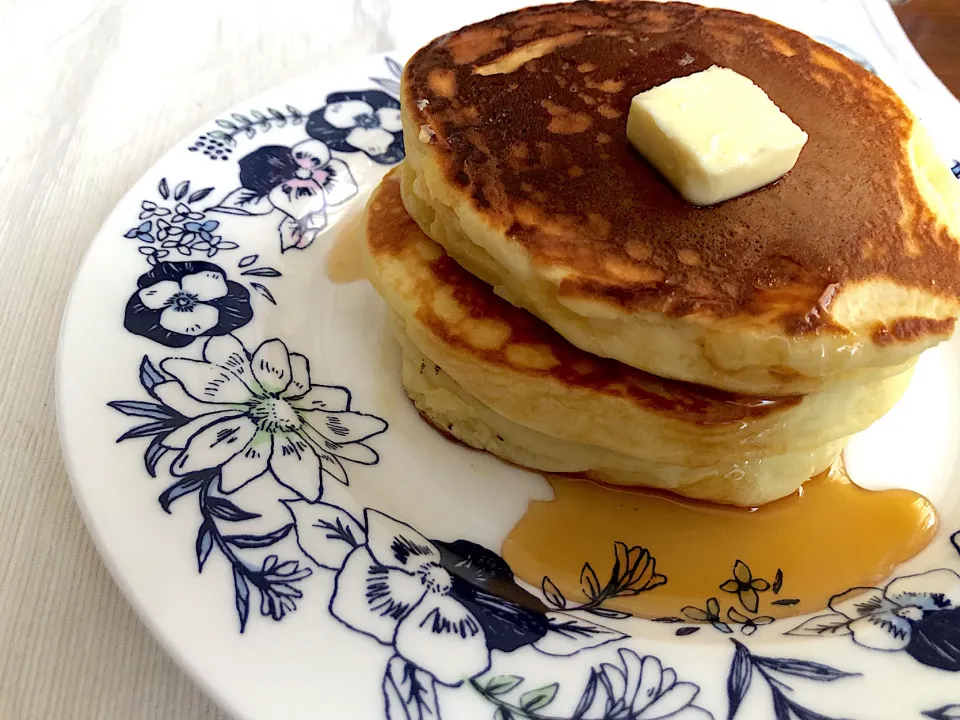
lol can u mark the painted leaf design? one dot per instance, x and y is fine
(151, 457)
(150, 376)
(163, 189)
(409, 693)
(159, 427)
(539, 698)
(184, 486)
(263, 291)
(326, 533)
(389, 84)
(241, 597)
(589, 694)
(608, 613)
(226, 510)
(552, 593)
(502, 684)
(138, 408)
(247, 261)
(781, 708)
(199, 195)
(833, 624)
(263, 272)
(181, 190)
(243, 202)
(568, 635)
(204, 544)
(802, 713)
(589, 582)
(259, 541)
(738, 681)
(803, 668)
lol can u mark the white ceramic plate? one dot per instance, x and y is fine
(307, 547)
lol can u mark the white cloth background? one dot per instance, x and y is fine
(92, 92)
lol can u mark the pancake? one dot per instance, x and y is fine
(454, 412)
(519, 367)
(518, 164)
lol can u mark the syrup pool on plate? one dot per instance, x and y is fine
(785, 558)
(345, 259)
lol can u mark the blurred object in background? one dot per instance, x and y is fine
(933, 26)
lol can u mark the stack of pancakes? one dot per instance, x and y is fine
(562, 307)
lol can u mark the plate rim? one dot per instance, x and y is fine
(129, 199)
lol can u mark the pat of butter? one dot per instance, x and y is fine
(714, 135)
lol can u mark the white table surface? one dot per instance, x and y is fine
(93, 92)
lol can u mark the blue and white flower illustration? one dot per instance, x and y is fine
(253, 414)
(745, 586)
(749, 624)
(635, 688)
(919, 614)
(442, 606)
(197, 237)
(360, 120)
(219, 143)
(642, 689)
(177, 302)
(232, 417)
(301, 182)
(175, 224)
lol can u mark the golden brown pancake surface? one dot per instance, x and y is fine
(525, 371)
(525, 115)
(462, 312)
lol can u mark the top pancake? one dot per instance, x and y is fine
(515, 128)
(521, 369)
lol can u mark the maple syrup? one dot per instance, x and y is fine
(345, 259)
(706, 562)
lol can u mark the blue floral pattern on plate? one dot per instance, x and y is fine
(177, 302)
(918, 614)
(302, 183)
(365, 120)
(217, 416)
